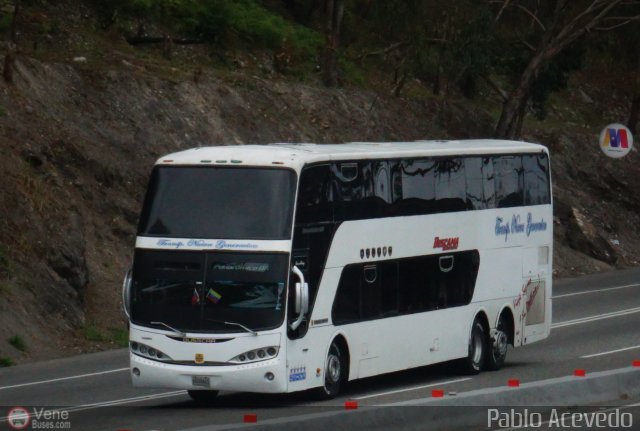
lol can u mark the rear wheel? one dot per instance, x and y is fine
(334, 372)
(497, 345)
(203, 397)
(475, 360)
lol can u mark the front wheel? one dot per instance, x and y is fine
(334, 373)
(475, 360)
(497, 345)
(203, 397)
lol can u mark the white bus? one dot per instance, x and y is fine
(287, 267)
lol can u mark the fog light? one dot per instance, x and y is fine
(136, 372)
(269, 376)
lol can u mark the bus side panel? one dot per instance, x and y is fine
(499, 275)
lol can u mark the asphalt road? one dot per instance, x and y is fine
(596, 328)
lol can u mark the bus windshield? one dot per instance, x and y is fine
(209, 292)
(219, 203)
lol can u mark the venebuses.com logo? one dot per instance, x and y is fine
(18, 418)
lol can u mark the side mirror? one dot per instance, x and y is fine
(301, 298)
(126, 294)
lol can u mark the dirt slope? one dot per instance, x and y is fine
(76, 146)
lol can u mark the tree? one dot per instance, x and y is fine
(559, 27)
(334, 12)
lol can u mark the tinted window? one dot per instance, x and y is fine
(404, 286)
(213, 202)
(488, 182)
(450, 185)
(473, 176)
(416, 193)
(362, 189)
(315, 196)
(346, 306)
(509, 181)
(536, 179)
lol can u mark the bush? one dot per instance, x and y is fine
(5, 362)
(92, 333)
(18, 342)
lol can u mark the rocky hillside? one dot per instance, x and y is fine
(77, 142)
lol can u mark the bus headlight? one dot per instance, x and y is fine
(256, 355)
(148, 352)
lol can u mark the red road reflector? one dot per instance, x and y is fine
(437, 393)
(250, 418)
(636, 363)
(350, 405)
(579, 372)
(513, 383)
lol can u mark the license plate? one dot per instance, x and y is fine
(200, 381)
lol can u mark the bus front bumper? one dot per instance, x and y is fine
(253, 377)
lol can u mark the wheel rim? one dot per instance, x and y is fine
(333, 369)
(500, 344)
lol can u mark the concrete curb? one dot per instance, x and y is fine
(445, 413)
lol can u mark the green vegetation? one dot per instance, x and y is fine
(117, 336)
(18, 342)
(515, 54)
(6, 362)
(92, 333)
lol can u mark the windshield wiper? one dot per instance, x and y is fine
(177, 331)
(235, 324)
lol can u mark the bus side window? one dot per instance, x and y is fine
(450, 185)
(509, 181)
(363, 189)
(315, 200)
(475, 190)
(536, 179)
(346, 305)
(415, 190)
(488, 183)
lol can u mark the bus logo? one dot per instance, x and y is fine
(446, 243)
(199, 358)
(616, 140)
(18, 418)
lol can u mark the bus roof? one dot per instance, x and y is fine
(297, 155)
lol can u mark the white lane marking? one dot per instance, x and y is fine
(609, 352)
(64, 378)
(114, 402)
(595, 291)
(414, 388)
(596, 317)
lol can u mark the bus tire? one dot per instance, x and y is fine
(334, 372)
(475, 360)
(203, 397)
(497, 345)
